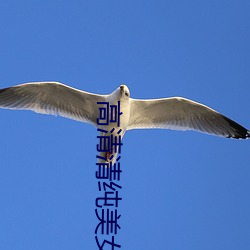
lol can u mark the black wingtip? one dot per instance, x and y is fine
(248, 134)
(3, 90)
(239, 131)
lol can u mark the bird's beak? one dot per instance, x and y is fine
(122, 88)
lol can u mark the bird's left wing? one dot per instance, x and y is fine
(52, 98)
(182, 114)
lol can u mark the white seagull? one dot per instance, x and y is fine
(167, 113)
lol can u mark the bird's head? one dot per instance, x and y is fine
(124, 91)
(121, 94)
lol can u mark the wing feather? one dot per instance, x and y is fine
(182, 114)
(52, 98)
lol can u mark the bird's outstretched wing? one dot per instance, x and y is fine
(52, 98)
(182, 114)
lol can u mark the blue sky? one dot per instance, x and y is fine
(180, 190)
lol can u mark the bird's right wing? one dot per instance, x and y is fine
(52, 98)
(182, 114)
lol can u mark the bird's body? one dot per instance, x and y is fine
(167, 113)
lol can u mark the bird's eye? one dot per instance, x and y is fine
(126, 93)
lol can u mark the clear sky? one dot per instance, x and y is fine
(180, 190)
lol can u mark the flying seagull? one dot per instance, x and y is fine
(167, 113)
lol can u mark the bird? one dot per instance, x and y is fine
(175, 113)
